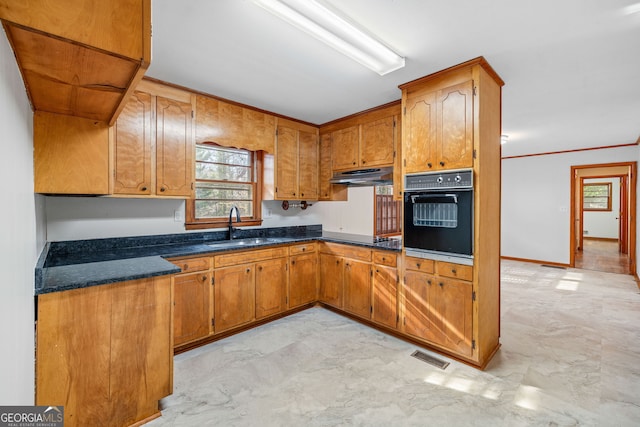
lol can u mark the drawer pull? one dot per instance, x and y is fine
(429, 282)
(441, 284)
(453, 270)
(204, 278)
(248, 270)
(417, 265)
(185, 267)
(304, 249)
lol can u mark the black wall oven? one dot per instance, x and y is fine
(438, 215)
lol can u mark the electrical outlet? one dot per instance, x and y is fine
(178, 216)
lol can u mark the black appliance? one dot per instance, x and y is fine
(438, 215)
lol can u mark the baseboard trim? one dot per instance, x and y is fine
(535, 261)
(600, 239)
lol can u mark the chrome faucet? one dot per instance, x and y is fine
(237, 220)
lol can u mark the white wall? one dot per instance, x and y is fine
(536, 201)
(73, 218)
(22, 238)
(604, 224)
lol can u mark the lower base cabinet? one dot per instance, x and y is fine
(235, 295)
(272, 277)
(384, 301)
(303, 274)
(105, 352)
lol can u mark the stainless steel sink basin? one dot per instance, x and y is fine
(253, 241)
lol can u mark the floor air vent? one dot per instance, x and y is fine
(430, 359)
(554, 266)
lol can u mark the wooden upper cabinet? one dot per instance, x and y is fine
(377, 145)
(83, 59)
(70, 155)
(287, 163)
(308, 163)
(328, 191)
(231, 125)
(438, 128)
(174, 148)
(344, 148)
(133, 146)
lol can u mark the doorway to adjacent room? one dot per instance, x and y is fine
(603, 217)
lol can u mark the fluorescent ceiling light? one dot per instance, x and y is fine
(317, 20)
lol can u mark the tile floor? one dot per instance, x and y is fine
(570, 356)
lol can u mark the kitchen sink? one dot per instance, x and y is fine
(253, 241)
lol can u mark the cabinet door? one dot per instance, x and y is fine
(271, 287)
(378, 142)
(455, 127)
(133, 147)
(331, 280)
(419, 317)
(308, 165)
(287, 163)
(419, 129)
(174, 148)
(453, 305)
(234, 296)
(303, 279)
(192, 306)
(357, 288)
(384, 299)
(325, 172)
(344, 148)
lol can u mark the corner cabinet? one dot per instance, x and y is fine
(83, 59)
(106, 350)
(452, 120)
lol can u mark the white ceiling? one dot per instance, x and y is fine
(571, 67)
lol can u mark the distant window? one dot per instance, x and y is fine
(224, 177)
(388, 212)
(597, 196)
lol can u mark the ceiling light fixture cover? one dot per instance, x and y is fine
(317, 20)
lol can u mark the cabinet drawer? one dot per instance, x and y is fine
(385, 258)
(243, 257)
(302, 248)
(457, 271)
(189, 265)
(347, 251)
(419, 264)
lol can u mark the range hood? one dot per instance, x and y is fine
(364, 177)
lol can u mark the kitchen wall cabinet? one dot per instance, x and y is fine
(292, 174)
(105, 350)
(153, 148)
(328, 191)
(70, 155)
(344, 148)
(303, 274)
(384, 301)
(438, 128)
(192, 300)
(454, 117)
(232, 125)
(82, 59)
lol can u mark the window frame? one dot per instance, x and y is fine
(193, 223)
(377, 232)
(609, 196)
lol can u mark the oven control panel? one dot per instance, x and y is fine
(462, 178)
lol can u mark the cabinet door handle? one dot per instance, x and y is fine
(162, 189)
(248, 270)
(429, 282)
(441, 284)
(293, 262)
(430, 165)
(143, 189)
(301, 194)
(204, 278)
(260, 268)
(441, 163)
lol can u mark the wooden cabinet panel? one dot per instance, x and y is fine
(174, 147)
(378, 142)
(347, 251)
(384, 297)
(344, 148)
(357, 288)
(454, 309)
(455, 127)
(105, 350)
(71, 155)
(303, 279)
(132, 160)
(271, 287)
(233, 258)
(419, 129)
(331, 280)
(456, 271)
(308, 165)
(385, 258)
(302, 248)
(234, 298)
(192, 307)
(287, 163)
(419, 264)
(189, 265)
(419, 315)
(328, 191)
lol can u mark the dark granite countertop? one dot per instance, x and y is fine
(82, 263)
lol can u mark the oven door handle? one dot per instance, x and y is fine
(423, 197)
